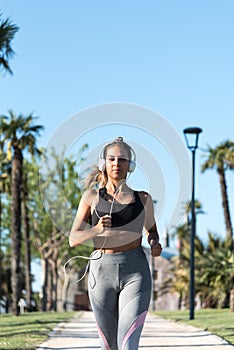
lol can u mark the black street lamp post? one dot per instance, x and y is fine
(191, 136)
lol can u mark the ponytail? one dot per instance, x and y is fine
(96, 178)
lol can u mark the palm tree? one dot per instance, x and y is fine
(26, 238)
(217, 160)
(229, 158)
(7, 33)
(187, 208)
(215, 272)
(20, 133)
(4, 188)
(0, 240)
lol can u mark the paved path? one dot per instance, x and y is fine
(81, 333)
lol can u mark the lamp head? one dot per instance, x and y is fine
(191, 137)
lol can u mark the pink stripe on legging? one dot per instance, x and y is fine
(103, 338)
(139, 322)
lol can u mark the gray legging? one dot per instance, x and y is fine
(119, 292)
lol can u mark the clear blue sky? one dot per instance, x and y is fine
(174, 57)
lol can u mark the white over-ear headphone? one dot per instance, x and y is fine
(117, 141)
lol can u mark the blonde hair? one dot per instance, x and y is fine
(99, 178)
(96, 178)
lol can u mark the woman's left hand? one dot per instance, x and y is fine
(156, 249)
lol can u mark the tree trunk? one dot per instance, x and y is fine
(44, 264)
(50, 252)
(16, 181)
(225, 203)
(49, 291)
(232, 300)
(65, 293)
(1, 292)
(27, 243)
(54, 275)
(61, 286)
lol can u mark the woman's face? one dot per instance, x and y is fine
(117, 162)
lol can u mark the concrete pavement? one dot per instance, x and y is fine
(81, 333)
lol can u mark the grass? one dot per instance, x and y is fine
(216, 321)
(28, 330)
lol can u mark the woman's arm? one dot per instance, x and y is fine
(79, 233)
(150, 224)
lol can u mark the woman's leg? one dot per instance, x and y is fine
(134, 302)
(103, 297)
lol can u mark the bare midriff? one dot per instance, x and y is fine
(110, 249)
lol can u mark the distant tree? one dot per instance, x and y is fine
(51, 226)
(26, 187)
(216, 159)
(4, 191)
(7, 33)
(19, 132)
(215, 272)
(198, 210)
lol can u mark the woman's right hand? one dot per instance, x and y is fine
(104, 224)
